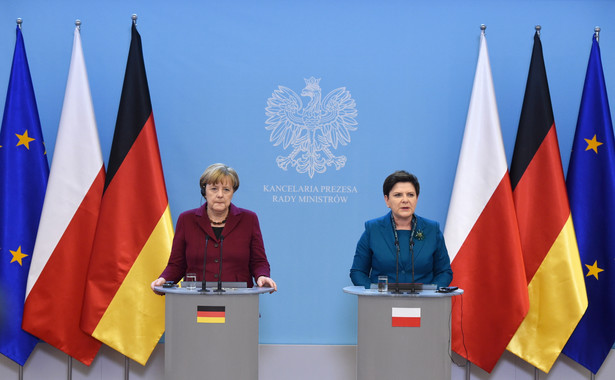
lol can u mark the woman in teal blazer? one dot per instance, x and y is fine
(401, 232)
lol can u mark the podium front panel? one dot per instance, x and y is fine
(211, 336)
(403, 336)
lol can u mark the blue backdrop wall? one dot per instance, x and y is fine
(408, 67)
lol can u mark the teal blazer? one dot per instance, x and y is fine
(376, 254)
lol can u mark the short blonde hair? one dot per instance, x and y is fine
(217, 173)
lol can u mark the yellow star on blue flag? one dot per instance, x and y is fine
(18, 256)
(593, 144)
(24, 139)
(593, 270)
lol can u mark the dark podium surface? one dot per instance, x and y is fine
(211, 335)
(403, 336)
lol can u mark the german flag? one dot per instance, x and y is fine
(553, 269)
(211, 314)
(134, 232)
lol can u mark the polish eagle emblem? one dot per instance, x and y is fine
(312, 131)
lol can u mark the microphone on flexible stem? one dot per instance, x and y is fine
(204, 283)
(413, 288)
(220, 290)
(397, 272)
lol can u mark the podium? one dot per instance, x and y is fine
(211, 335)
(403, 335)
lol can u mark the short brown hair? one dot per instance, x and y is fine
(216, 173)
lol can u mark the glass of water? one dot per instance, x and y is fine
(190, 280)
(383, 283)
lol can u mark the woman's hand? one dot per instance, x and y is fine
(158, 282)
(266, 281)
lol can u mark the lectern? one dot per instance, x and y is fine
(403, 336)
(211, 335)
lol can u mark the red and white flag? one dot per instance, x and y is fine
(482, 235)
(56, 283)
(406, 317)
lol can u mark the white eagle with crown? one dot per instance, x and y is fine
(311, 131)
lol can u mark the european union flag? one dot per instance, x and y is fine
(23, 179)
(591, 190)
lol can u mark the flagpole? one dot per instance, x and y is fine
(70, 358)
(592, 375)
(468, 364)
(69, 362)
(19, 21)
(133, 17)
(126, 367)
(536, 374)
(70, 367)
(483, 27)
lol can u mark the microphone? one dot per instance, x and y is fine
(219, 290)
(397, 269)
(413, 290)
(412, 232)
(204, 283)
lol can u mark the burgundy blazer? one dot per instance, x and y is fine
(243, 252)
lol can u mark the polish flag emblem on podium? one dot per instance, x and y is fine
(406, 317)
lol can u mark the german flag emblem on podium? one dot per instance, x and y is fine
(211, 314)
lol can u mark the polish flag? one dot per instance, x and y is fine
(482, 235)
(56, 282)
(406, 317)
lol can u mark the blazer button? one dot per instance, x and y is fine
(216, 245)
(216, 260)
(215, 275)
